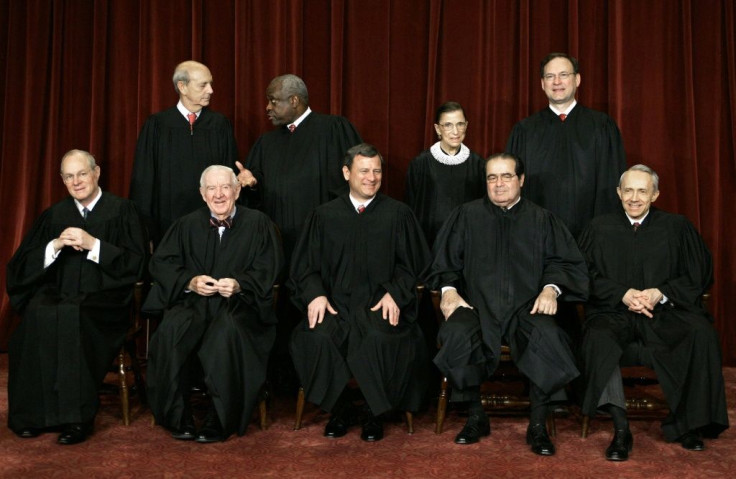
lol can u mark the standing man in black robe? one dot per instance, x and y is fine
(290, 171)
(213, 274)
(573, 155)
(297, 166)
(648, 272)
(72, 280)
(174, 146)
(502, 262)
(354, 275)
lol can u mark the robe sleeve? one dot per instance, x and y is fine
(305, 280)
(257, 279)
(142, 189)
(446, 268)
(612, 163)
(564, 265)
(694, 274)
(605, 290)
(412, 256)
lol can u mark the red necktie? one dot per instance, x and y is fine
(192, 118)
(636, 226)
(361, 209)
(563, 116)
(292, 127)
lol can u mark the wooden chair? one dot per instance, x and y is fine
(637, 372)
(501, 403)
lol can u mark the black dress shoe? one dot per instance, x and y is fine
(691, 441)
(74, 434)
(336, 427)
(537, 437)
(28, 432)
(620, 446)
(187, 431)
(475, 428)
(211, 430)
(372, 429)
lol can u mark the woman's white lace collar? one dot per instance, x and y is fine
(446, 159)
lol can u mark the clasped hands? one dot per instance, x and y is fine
(642, 302)
(77, 238)
(207, 286)
(317, 307)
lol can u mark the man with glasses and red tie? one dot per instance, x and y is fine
(72, 280)
(502, 263)
(573, 155)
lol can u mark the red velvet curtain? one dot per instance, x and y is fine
(86, 74)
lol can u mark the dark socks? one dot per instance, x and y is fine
(620, 421)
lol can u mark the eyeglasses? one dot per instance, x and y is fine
(504, 177)
(81, 176)
(562, 76)
(461, 126)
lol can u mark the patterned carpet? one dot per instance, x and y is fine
(142, 450)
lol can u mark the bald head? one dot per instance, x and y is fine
(193, 82)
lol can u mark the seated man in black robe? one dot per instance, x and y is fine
(213, 274)
(354, 274)
(72, 281)
(648, 272)
(502, 263)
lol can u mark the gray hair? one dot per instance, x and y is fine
(645, 169)
(233, 179)
(293, 85)
(86, 154)
(181, 72)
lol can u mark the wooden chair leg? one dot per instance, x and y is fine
(586, 426)
(551, 425)
(263, 414)
(409, 422)
(124, 404)
(299, 409)
(441, 407)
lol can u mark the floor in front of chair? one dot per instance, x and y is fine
(143, 450)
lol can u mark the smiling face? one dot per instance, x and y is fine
(451, 130)
(79, 178)
(637, 193)
(560, 91)
(364, 177)
(502, 182)
(220, 192)
(197, 93)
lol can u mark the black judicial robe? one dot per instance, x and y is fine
(666, 252)
(169, 159)
(572, 167)
(499, 262)
(434, 189)
(354, 259)
(298, 171)
(232, 336)
(75, 313)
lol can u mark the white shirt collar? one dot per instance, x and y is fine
(182, 109)
(567, 110)
(639, 220)
(301, 118)
(357, 203)
(91, 204)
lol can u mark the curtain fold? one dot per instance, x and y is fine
(81, 74)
